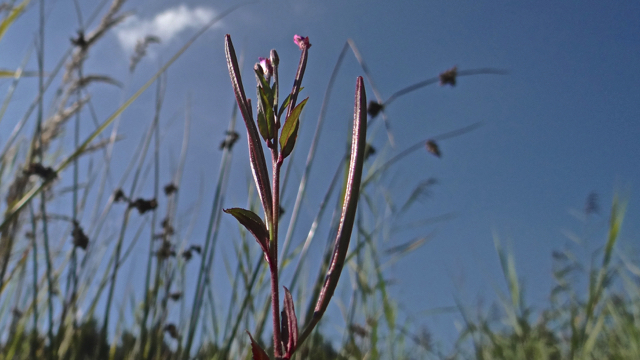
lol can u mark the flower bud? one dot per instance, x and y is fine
(275, 59)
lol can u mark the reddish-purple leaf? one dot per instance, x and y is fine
(256, 351)
(289, 325)
(256, 154)
(252, 222)
(349, 206)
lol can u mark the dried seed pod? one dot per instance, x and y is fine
(144, 205)
(358, 330)
(449, 76)
(80, 41)
(165, 250)
(119, 195)
(369, 150)
(230, 140)
(44, 172)
(374, 108)
(170, 189)
(172, 330)
(433, 148)
(80, 239)
(166, 227)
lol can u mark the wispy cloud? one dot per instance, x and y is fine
(166, 25)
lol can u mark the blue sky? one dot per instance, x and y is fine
(563, 123)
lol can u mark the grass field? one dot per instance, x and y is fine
(70, 232)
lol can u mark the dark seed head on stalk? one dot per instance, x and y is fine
(144, 205)
(170, 189)
(172, 330)
(358, 330)
(166, 227)
(44, 172)
(374, 108)
(175, 296)
(80, 239)
(165, 251)
(141, 50)
(80, 41)
(119, 195)
(186, 255)
(230, 140)
(16, 312)
(369, 150)
(449, 76)
(196, 248)
(433, 148)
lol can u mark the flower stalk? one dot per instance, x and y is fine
(280, 138)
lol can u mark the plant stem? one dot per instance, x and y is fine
(273, 249)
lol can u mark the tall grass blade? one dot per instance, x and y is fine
(13, 15)
(19, 204)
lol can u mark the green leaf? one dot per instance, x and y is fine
(267, 122)
(285, 103)
(262, 125)
(261, 80)
(290, 130)
(252, 222)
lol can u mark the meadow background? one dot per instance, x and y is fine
(559, 128)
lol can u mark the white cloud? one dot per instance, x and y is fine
(165, 25)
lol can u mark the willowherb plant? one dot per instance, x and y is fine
(280, 138)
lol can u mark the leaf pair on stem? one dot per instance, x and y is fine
(285, 325)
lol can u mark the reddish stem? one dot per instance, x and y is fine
(273, 249)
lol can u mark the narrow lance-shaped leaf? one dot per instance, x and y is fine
(256, 351)
(285, 103)
(289, 325)
(256, 154)
(252, 222)
(349, 206)
(290, 130)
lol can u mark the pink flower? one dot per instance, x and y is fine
(267, 68)
(302, 42)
